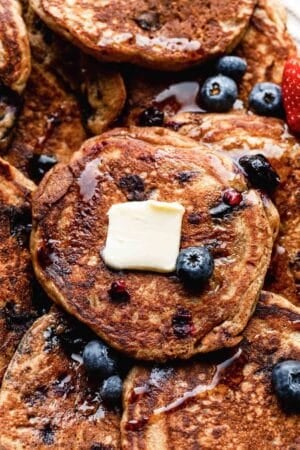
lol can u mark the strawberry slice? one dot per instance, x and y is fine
(291, 93)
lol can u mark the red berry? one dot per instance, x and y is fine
(118, 291)
(232, 197)
(291, 93)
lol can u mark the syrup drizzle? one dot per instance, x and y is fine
(201, 387)
(88, 179)
(138, 424)
(181, 96)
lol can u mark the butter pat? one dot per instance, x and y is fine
(143, 236)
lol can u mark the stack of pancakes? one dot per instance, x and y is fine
(75, 76)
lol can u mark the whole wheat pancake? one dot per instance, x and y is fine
(16, 310)
(99, 89)
(240, 134)
(47, 401)
(15, 51)
(222, 401)
(70, 228)
(148, 33)
(266, 46)
(50, 123)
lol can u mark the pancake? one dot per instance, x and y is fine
(240, 134)
(50, 123)
(70, 228)
(16, 309)
(99, 89)
(223, 401)
(266, 46)
(15, 51)
(148, 33)
(47, 401)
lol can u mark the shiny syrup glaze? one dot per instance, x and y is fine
(179, 97)
(222, 374)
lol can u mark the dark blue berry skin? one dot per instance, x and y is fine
(232, 66)
(265, 99)
(111, 391)
(286, 384)
(194, 266)
(151, 117)
(218, 94)
(260, 172)
(98, 359)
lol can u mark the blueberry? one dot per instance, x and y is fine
(98, 359)
(38, 165)
(194, 266)
(265, 99)
(232, 66)
(286, 384)
(260, 172)
(151, 117)
(218, 94)
(111, 391)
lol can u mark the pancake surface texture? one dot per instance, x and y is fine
(70, 229)
(15, 51)
(266, 46)
(242, 134)
(16, 310)
(152, 34)
(225, 401)
(47, 401)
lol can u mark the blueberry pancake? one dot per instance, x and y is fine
(225, 400)
(15, 51)
(49, 128)
(156, 316)
(47, 400)
(241, 134)
(99, 89)
(16, 310)
(266, 46)
(148, 33)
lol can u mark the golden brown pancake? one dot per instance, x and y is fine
(266, 46)
(70, 228)
(223, 401)
(152, 34)
(50, 123)
(241, 134)
(47, 400)
(16, 309)
(15, 51)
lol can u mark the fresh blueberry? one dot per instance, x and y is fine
(286, 384)
(232, 66)
(265, 99)
(111, 391)
(98, 359)
(218, 94)
(151, 117)
(220, 210)
(260, 172)
(194, 266)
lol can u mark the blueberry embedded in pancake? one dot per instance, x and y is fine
(47, 400)
(16, 307)
(157, 166)
(231, 399)
(149, 34)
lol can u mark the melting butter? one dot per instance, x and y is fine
(143, 236)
